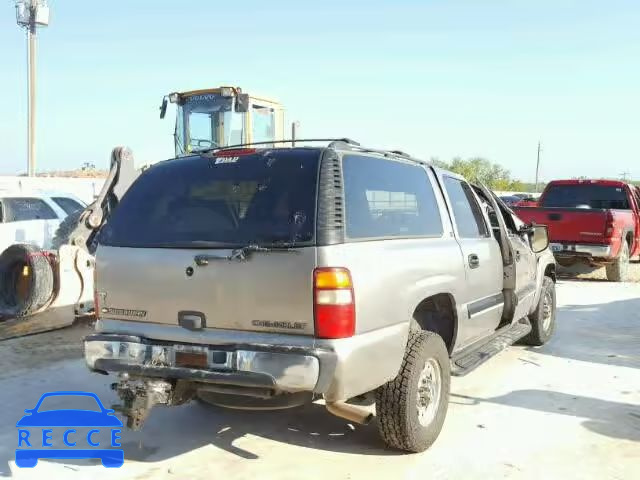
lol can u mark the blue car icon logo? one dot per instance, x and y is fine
(36, 432)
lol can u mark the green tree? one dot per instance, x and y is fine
(479, 169)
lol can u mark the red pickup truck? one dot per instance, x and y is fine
(592, 221)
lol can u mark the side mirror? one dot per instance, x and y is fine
(163, 107)
(242, 102)
(539, 238)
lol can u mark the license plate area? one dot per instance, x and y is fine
(557, 247)
(192, 359)
(189, 356)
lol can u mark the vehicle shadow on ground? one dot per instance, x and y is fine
(606, 333)
(585, 273)
(198, 424)
(612, 419)
(170, 432)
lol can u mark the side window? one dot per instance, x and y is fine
(69, 205)
(386, 198)
(262, 123)
(19, 209)
(467, 213)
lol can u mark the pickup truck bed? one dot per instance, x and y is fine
(591, 221)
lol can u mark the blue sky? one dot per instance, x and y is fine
(433, 78)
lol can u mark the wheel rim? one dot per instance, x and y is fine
(547, 310)
(429, 392)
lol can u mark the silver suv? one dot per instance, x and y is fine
(271, 277)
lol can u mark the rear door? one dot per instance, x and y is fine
(482, 257)
(166, 250)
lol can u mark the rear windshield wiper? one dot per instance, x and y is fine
(243, 253)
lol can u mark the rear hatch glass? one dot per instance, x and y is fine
(182, 209)
(225, 201)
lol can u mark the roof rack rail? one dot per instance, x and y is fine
(332, 141)
(400, 153)
(345, 143)
(389, 153)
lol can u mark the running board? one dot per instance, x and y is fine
(468, 360)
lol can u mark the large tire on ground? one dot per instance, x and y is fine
(619, 269)
(412, 407)
(543, 319)
(26, 280)
(61, 237)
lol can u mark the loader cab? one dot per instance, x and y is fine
(221, 117)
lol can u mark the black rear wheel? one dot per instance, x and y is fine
(412, 407)
(619, 269)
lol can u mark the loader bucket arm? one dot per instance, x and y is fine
(121, 175)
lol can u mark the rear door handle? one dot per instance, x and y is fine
(474, 261)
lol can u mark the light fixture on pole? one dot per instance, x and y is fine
(31, 14)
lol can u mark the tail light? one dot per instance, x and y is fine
(333, 303)
(609, 228)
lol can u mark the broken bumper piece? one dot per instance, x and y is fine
(280, 371)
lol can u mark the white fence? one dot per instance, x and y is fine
(85, 189)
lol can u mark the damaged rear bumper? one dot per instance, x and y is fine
(255, 369)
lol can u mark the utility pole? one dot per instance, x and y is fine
(624, 176)
(538, 165)
(294, 132)
(31, 14)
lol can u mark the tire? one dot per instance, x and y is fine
(543, 319)
(397, 407)
(618, 270)
(61, 237)
(26, 280)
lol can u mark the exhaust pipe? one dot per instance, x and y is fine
(350, 412)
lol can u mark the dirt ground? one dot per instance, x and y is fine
(584, 272)
(570, 409)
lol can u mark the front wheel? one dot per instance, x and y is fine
(412, 407)
(543, 319)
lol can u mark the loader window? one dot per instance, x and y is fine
(262, 124)
(218, 202)
(207, 121)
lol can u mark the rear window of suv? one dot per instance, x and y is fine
(388, 198)
(265, 198)
(586, 196)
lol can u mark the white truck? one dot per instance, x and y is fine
(33, 217)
